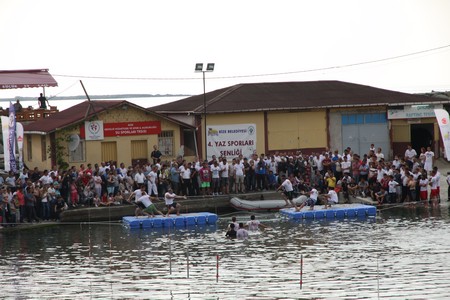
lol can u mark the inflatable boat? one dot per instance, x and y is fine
(252, 205)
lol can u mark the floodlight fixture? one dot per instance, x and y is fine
(210, 67)
(199, 67)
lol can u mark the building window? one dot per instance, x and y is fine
(29, 147)
(78, 154)
(44, 147)
(139, 149)
(189, 142)
(375, 118)
(166, 143)
(109, 152)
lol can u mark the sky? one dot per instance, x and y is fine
(151, 47)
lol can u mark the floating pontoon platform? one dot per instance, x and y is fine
(172, 221)
(338, 211)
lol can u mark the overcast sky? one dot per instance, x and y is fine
(247, 40)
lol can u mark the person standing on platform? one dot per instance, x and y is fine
(288, 191)
(171, 205)
(330, 198)
(150, 208)
(43, 102)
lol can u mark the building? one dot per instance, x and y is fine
(103, 130)
(309, 116)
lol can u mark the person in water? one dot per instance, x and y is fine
(254, 225)
(231, 233)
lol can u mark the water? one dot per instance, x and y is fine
(402, 254)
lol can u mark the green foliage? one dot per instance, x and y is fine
(60, 152)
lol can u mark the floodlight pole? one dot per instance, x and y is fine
(204, 117)
(209, 68)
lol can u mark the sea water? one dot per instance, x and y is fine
(403, 253)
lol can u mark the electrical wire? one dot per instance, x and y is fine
(264, 74)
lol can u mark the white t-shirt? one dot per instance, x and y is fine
(152, 177)
(333, 196)
(138, 194)
(314, 194)
(145, 199)
(253, 225)
(169, 197)
(242, 234)
(215, 171)
(224, 168)
(239, 169)
(392, 186)
(287, 184)
(410, 154)
(139, 178)
(423, 182)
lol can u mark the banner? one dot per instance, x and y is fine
(231, 140)
(5, 132)
(93, 130)
(444, 126)
(19, 136)
(132, 128)
(12, 138)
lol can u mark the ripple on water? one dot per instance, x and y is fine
(396, 257)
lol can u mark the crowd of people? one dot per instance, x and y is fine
(33, 195)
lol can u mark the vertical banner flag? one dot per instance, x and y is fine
(19, 136)
(5, 132)
(444, 126)
(231, 140)
(12, 138)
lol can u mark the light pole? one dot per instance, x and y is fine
(209, 68)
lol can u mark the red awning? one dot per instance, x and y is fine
(17, 79)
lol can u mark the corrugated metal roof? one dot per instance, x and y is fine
(288, 96)
(17, 79)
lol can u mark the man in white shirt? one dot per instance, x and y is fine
(288, 191)
(330, 198)
(150, 208)
(139, 178)
(253, 224)
(310, 201)
(429, 159)
(239, 180)
(171, 205)
(224, 167)
(241, 233)
(151, 181)
(410, 154)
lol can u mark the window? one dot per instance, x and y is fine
(166, 143)
(43, 147)
(352, 119)
(29, 147)
(78, 154)
(109, 151)
(189, 142)
(139, 149)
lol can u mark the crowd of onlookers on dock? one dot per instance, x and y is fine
(35, 195)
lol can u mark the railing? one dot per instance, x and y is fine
(31, 114)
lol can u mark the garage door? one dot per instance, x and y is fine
(361, 130)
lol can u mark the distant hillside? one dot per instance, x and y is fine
(118, 96)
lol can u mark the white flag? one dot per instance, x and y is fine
(444, 126)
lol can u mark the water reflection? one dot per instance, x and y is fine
(390, 256)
